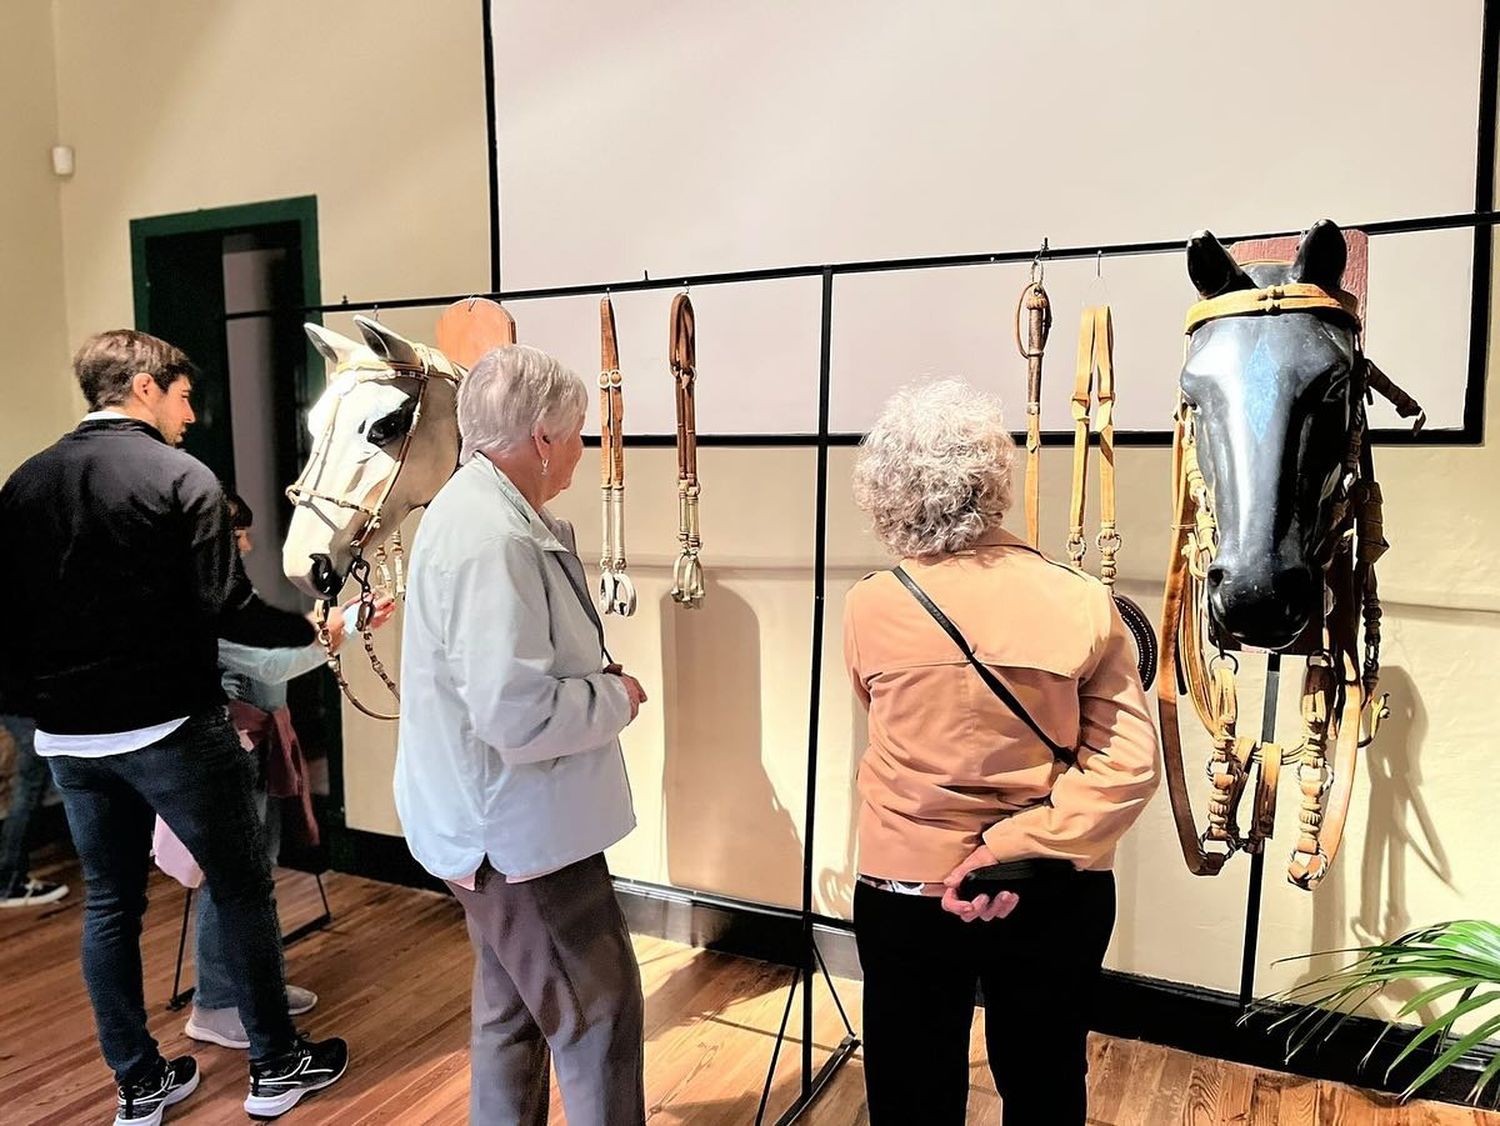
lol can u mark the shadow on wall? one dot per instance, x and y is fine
(1398, 827)
(726, 830)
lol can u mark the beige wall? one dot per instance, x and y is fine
(38, 401)
(377, 108)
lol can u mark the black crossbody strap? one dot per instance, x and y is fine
(993, 682)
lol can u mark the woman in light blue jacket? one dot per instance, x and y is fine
(510, 782)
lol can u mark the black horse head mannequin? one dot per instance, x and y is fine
(1273, 400)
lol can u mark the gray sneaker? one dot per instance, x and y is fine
(217, 1026)
(224, 1027)
(299, 1000)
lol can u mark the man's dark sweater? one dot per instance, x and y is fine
(120, 574)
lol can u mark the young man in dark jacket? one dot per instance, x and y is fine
(122, 571)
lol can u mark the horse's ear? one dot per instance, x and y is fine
(334, 348)
(1212, 269)
(386, 344)
(1321, 256)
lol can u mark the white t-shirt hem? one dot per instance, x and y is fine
(102, 746)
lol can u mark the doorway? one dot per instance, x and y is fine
(257, 378)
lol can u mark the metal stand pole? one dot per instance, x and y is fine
(1258, 859)
(813, 1085)
(180, 997)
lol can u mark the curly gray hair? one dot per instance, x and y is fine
(509, 392)
(934, 472)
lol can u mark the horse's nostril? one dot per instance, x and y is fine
(1216, 573)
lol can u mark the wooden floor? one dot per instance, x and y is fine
(393, 973)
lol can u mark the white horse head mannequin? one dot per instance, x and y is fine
(385, 438)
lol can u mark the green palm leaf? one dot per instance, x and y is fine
(1459, 958)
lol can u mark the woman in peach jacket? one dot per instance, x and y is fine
(954, 779)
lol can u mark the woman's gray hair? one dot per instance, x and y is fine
(511, 391)
(933, 474)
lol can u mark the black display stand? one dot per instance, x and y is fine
(823, 440)
(1258, 859)
(180, 997)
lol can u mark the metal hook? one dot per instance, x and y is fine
(1038, 268)
(1099, 264)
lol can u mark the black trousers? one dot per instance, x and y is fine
(1039, 969)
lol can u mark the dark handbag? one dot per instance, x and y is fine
(1009, 874)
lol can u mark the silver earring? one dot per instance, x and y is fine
(544, 467)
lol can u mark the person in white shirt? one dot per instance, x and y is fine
(510, 782)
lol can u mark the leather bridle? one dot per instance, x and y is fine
(687, 574)
(1096, 379)
(616, 591)
(1036, 308)
(1339, 690)
(343, 379)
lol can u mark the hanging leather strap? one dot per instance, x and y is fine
(616, 590)
(612, 468)
(1066, 755)
(684, 355)
(1036, 309)
(687, 575)
(1096, 368)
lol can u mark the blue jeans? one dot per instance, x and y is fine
(215, 988)
(199, 780)
(26, 796)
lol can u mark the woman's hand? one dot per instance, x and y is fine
(384, 607)
(980, 909)
(633, 689)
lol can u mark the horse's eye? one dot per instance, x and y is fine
(388, 428)
(1336, 388)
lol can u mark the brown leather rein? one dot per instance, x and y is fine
(433, 365)
(616, 590)
(687, 574)
(1036, 308)
(1338, 688)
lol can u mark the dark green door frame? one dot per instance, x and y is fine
(302, 210)
(214, 225)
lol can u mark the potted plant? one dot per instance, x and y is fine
(1456, 967)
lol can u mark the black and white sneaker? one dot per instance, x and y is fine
(141, 1104)
(277, 1084)
(27, 892)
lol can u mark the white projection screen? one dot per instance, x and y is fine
(683, 138)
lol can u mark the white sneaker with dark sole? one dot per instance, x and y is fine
(33, 893)
(142, 1104)
(280, 1083)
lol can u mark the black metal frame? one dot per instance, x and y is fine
(1481, 221)
(1470, 433)
(180, 997)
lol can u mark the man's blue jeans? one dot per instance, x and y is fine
(199, 780)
